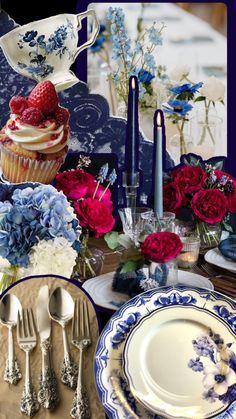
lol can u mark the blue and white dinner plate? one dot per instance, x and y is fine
(169, 353)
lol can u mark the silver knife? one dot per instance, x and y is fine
(48, 393)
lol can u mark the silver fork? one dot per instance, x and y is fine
(213, 273)
(26, 336)
(81, 339)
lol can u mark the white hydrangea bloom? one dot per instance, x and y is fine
(54, 256)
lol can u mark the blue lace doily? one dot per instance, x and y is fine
(93, 129)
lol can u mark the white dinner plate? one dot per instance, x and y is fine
(215, 257)
(100, 288)
(169, 353)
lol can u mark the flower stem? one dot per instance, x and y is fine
(206, 125)
(96, 189)
(104, 191)
(8, 277)
(183, 149)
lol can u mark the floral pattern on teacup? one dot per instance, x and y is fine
(40, 48)
(217, 362)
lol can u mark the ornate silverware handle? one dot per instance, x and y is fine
(12, 372)
(69, 371)
(80, 408)
(29, 402)
(48, 395)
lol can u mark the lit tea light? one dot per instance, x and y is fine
(190, 252)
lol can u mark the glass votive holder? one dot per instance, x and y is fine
(190, 252)
(164, 273)
(164, 223)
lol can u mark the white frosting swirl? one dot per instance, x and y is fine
(43, 140)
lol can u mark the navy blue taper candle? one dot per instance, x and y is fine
(158, 163)
(131, 173)
(132, 132)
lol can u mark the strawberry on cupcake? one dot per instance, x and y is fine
(34, 142)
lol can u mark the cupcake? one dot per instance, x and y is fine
(34, 141)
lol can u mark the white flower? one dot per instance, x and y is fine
(219, 377)
(148, 284)
(54, 256)
(213, 89)
(180, 72)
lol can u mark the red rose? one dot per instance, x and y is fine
(209, 205)
(172, 197)
(230, 192)
(161, 247)
(190, 179)
(94, 215)
(74, 183)
(106, 199)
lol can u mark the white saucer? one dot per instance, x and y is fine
(215, 257)
(100, 288)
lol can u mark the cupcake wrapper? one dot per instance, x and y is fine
(21, 169)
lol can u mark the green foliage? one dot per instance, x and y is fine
(112, 240)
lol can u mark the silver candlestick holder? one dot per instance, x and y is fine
(130, 181)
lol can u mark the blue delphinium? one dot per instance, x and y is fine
(154, 36)
(149, 60)
(32, 215)
(139, 60)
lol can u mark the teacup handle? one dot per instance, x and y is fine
(94, 33)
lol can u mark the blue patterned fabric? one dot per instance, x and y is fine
(93, 130)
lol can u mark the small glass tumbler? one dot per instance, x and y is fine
(134, 221)
(165, 223)
(190, 252)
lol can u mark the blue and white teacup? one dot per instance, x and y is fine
(45, 49)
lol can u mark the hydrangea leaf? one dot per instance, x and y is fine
(112, 239)
(129, 266)
(125, 241)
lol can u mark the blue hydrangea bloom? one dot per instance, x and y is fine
(177, 107)
(33, 215)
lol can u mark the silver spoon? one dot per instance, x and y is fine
(9, 308)
(61, 310)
